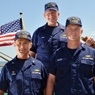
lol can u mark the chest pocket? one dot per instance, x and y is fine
(40, 40)
(86, 68)
(63, 67)
(36, 81)
(43, 41)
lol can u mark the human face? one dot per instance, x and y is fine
(51, 17)
(73, 32)
(22, 47)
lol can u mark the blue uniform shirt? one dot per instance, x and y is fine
(74, 74)
(45, 41)
(28, 79)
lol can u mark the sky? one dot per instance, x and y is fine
(33, 11)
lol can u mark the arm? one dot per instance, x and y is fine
(3, 81)
(50, 84)
(44, 92)
(33, 49)
(44, 82)
(1, 92)
(89, 41)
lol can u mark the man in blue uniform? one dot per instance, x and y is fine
(45, 37)
(23, 75)
(72, 69)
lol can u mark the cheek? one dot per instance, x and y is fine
(79, 33)
(28, 46)
(46, 17)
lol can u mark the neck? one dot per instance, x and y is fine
(54, 24)
(23, 56)
(73, 44)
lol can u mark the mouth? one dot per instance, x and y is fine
(21, 51)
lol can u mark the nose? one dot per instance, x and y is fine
(22, 45)
(51, 15)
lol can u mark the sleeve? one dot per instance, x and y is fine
(94, 62)
(34, 41)
(44, 76)
(3, 79)
(94, 72)
(52, 68)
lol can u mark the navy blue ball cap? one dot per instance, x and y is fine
(73, 20)
(23, 34)
(51, 5)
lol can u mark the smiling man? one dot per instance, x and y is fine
(23, 75)
(45, 37)
(72, 68)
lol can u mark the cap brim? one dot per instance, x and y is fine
(77, 24)
(52, 9)
(73, 24)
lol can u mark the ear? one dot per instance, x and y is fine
(30, 45)
(81, 31)
(58, 14)
(44, 14)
